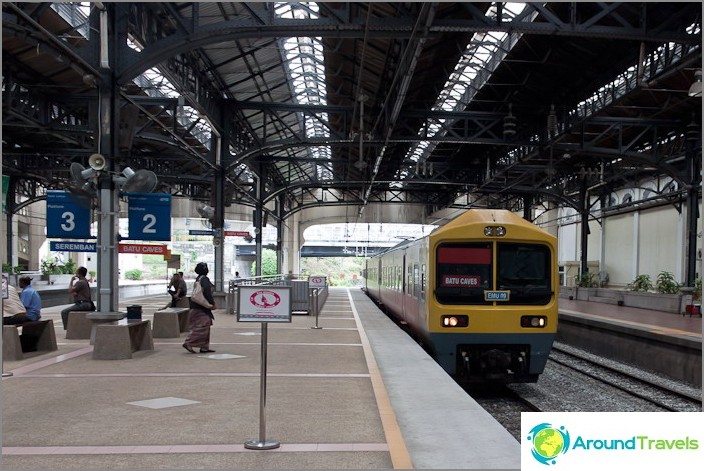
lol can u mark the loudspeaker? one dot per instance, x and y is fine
(97, 162)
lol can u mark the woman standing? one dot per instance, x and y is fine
(200, 317)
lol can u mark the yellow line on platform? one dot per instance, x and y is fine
(397, 445)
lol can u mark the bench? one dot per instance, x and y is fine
(97, 318)
(37, 336)
(79, 326)
(170, 322)
(184, 302)
(118, 340)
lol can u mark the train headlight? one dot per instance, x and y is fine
(454, 321)
(494, 231)
(534, 322)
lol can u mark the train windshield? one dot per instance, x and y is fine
(524, 270)
(463, 273)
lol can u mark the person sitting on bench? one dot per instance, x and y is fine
(13, 311)
(79, 288)
(30, 299)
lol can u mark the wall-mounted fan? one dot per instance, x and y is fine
(82, 180)
(207, 212)
(141, 181)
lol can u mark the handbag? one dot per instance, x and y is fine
(198, 297)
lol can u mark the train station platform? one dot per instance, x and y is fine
(662, 342)
(356, 394)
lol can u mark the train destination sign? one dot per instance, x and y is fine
(140, 249)
(237, 234)
(72, 246)
(264, 304)
(460, 281)
(497, 295)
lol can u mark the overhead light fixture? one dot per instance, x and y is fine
(696, 89)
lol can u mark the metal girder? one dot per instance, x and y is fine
(171, 32)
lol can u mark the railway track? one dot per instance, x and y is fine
(576, 381)
(665, 394)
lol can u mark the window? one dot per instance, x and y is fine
(525, 271)
(463, 273)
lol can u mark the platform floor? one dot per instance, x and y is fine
(666, 323)
(356, 394)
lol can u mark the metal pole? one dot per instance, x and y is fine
(262, 443)
(2, 364)
(314, 304)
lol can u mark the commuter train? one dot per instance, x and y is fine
(479, 293)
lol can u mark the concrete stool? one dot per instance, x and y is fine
(170, 322)
(79, 327)
(118, 340)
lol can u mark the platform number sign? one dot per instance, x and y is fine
(67, 215)
(149, 216)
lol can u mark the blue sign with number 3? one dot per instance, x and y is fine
(149, 216)
(67, 215)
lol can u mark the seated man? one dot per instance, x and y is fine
(79, 288)
(13, 311)
(30, 299)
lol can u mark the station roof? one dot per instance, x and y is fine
(440, 104)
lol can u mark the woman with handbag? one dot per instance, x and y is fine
(200, 317)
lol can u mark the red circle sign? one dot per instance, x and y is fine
(265, 299)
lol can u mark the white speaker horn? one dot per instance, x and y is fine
(97, 162)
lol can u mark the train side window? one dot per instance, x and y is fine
(422, 281)
(416, 280)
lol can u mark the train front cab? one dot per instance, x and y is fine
(493, 312)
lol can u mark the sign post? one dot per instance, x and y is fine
(5, 295)
(263, 304)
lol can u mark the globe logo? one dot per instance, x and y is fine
(548, 442)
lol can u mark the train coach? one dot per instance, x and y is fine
(480, 294)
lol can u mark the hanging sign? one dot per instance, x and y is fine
(142, 249)
(67, 215)
(71, 246)
(149, 216)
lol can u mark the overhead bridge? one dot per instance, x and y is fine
(340, 251)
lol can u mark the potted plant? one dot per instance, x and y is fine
(48, 268)
(665, 295)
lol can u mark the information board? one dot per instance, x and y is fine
(67, 215)
(317, 281)
(264, 304)
(149, 216)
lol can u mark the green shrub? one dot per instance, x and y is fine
(641, 283)
(586, 280)
(49, 267)
(666, 283)
(134, 274)
(69, 267)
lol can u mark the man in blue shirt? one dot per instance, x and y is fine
(30, 298)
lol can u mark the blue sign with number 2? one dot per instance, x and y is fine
(149, 216)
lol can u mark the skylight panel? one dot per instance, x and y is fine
(481, 57)
(304, 58)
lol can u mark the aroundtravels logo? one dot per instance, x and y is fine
(548, 442)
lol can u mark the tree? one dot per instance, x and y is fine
(268, 263)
